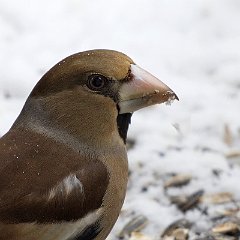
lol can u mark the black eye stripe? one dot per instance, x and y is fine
(96, 82)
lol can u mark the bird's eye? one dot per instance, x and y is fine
(96, 82)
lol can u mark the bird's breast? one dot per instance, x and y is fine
(114, 197)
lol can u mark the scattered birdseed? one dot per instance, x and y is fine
(230, 228)
(178, 181)
(139, 236)
(134, 225)
(217, 198)
(179, 230)
(185, 203)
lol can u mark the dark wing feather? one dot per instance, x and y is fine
(31, 165)
(89, 233)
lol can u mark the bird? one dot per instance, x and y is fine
(63, 163)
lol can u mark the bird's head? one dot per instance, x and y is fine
(94, 92)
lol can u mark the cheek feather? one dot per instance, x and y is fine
(66, 186)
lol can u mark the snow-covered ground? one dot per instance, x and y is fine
(193, 46)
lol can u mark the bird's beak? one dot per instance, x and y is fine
(142, 90)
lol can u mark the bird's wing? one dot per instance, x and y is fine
(42, 181)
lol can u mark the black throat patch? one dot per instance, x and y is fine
(123, 121)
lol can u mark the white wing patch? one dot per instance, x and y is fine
(66, 186)
(61, 231)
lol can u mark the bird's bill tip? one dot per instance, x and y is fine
(143, 90)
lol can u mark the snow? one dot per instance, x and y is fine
(192, 46)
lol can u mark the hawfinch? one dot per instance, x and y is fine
(63, 163)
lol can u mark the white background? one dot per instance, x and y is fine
(193, 46)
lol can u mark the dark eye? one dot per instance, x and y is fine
(96, 82)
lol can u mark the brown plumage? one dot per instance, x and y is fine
(63, 164)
